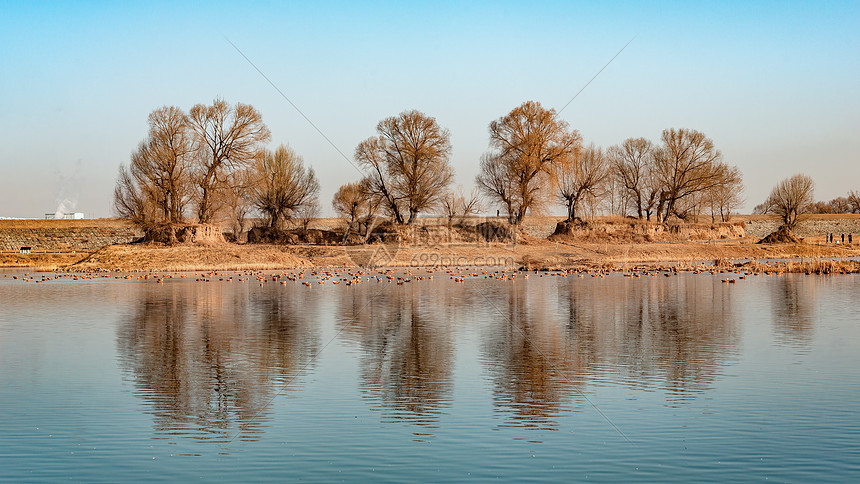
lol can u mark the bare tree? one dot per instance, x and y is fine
(238, 199)
(613, 197)
(459, 204)
(227, 138)
(525, 145)
(169, 155)
(821, 207)
(134, 200)
(408, 163)
(282, 186)
(498, 182)
(580, 176)
(358, 204)
(854, 202)
(156, 187)
(840, 205)
(686, 164)
(727, 195)
(791, 198)
(368, 214)
(633, 166)
(350, 202)
(307, 213)
(764, 207)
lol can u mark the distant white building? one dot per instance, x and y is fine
(65, 216)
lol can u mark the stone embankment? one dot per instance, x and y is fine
(63, 235)
(810, 227)
(93, 234)
(754, 226)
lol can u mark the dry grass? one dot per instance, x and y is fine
(529, 252)
(145, 257)
(818, 266)
(40, 260)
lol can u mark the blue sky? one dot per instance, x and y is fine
(776, 85)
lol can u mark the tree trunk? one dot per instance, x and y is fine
(571, 211)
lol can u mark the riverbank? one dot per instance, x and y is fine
(535, 255)
(603, 244)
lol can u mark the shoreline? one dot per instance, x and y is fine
(606, 243)
(533, 254)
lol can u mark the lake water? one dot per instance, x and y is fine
(680, 378)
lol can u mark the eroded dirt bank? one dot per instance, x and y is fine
(616, 244)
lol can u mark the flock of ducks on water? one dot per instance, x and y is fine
(349, 277)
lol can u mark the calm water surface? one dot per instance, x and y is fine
(546, 378)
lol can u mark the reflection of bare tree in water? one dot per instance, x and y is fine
(405, 335)
(208, 361)
(680, 332)
(793, 306)
(673, 335)
(687, 332)
(533, 361)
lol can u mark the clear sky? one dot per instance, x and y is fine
(776, 85)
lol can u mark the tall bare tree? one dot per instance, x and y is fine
(633, 166)
(686, 164)
(282, 186)
(791, 198)
(156, 186)
(525, 145)
(580, 177)
(227, 138)
(408, 163)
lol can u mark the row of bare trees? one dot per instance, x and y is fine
(847, 204)
(534, 155)
(212, 162)
(683, 175)
(536, 159)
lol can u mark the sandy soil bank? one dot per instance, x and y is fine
(600, 247)
(534, 254)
